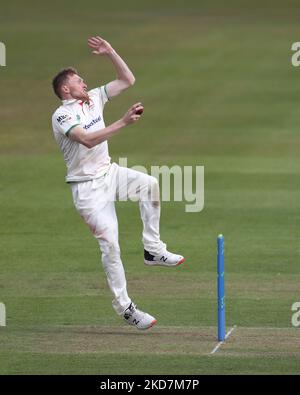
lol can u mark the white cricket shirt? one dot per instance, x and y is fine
(82, 163)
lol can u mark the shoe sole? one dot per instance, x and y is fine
(180, 262)
(151, 325)
(146, 327)
(150, 263)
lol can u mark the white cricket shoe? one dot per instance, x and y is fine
(135, 317)
(164, 259)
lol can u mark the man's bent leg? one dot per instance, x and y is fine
(144, 188)
(154, 254)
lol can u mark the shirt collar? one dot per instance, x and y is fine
(69, 101)
(72, 101)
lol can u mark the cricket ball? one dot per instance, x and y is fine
(140, 111)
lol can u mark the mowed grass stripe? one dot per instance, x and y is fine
(128, 364)
(188, 310)
(269, 342)
(174, 283)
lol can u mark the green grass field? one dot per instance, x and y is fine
(219, 90)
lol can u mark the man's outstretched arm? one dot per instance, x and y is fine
(125, 78)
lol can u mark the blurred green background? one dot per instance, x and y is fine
(220, 91)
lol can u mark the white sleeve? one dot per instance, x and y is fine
(64, 121)
(104, 94)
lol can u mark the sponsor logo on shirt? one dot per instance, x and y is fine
(63, 118)
(93, 122)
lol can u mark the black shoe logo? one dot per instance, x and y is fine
(128, 312)
(135, 322)
(148, 256)
(163, 259)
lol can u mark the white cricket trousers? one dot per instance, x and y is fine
(95, 202)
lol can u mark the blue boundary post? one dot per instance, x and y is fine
(221, 289)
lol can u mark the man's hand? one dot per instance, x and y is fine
(125, 78)
(99, 46)
(132, 115)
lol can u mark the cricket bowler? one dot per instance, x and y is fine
(96, 183)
